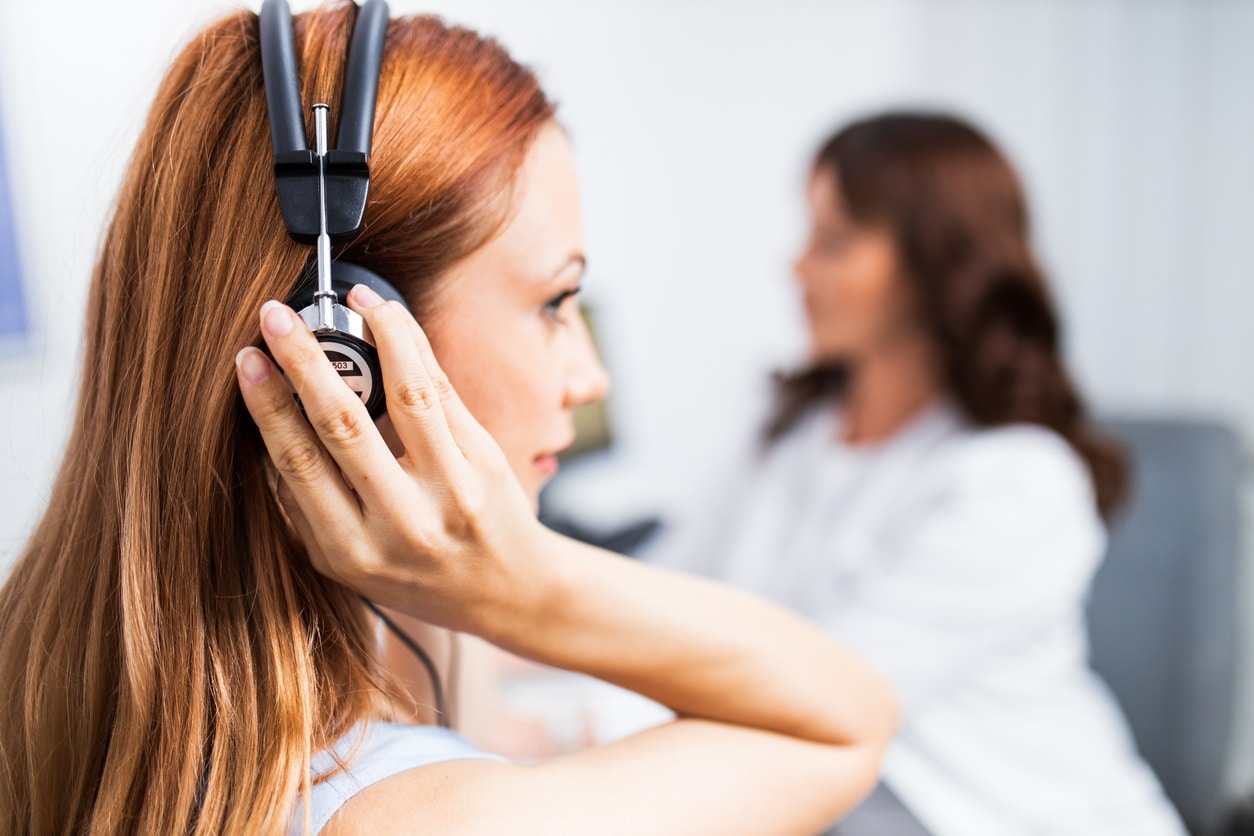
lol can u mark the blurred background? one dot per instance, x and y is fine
(693, 121)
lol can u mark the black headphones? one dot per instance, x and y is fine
(322, 193)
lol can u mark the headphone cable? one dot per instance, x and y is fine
(416, 649)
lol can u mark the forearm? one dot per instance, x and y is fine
(703, 649)
(446, 533)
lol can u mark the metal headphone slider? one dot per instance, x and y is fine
(327, 317)
(325, 299)
(327, 314)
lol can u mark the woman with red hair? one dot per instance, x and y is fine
(184, 645)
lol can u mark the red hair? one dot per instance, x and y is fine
(168, 657)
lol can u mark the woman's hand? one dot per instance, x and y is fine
(430, 533)
(784, 727)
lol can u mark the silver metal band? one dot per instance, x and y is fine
(342, 319)
(325, 298)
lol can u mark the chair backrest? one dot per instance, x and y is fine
(1163, 609)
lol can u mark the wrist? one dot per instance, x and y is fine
(533, 585)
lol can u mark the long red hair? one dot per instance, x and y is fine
(168, 658)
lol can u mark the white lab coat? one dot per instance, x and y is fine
(957, 561)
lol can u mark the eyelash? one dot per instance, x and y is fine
(554, 305)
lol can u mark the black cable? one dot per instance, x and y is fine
(416, 649)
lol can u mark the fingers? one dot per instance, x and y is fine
(335, 412)
(299, 523)
(311, 475)
(467, 431)
(418, 400)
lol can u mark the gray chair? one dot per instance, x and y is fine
(1163, 608)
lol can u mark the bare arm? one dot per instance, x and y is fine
(686, 778)
(700, 648)
(781, 728)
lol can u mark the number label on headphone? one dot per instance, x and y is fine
(351, 366)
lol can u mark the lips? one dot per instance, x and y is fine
(547, 462)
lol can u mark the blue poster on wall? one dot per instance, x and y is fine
(12, 307)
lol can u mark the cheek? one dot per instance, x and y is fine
(501, 380)
(487, 385)
(833, 304)
(854, 298)
(868, 277)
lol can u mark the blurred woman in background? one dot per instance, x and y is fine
(931, 491)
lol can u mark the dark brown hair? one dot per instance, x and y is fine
(959, 218)
(169, 658)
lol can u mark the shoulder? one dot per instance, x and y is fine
(370, 754)
(1018, 487)
(1022, 461)
(457, 796)
(1013, 503)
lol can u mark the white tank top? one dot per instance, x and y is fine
(384, 750)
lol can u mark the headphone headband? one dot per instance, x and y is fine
(322, 192)
(296, 168)
(361, 78)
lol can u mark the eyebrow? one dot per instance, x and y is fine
(574, 258)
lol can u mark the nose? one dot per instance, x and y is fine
(800, 265)
(587, 381)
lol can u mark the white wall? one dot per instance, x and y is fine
(693, 121)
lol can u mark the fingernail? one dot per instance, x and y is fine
(366, 297)
(276, 319)
(253, 364)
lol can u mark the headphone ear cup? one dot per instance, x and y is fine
(357, 363)
(344, 275)
(353, 356)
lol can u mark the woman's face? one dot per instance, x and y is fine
(506, 326)
(855, 298)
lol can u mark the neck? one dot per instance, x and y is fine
(411, 698)
(887, 389)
